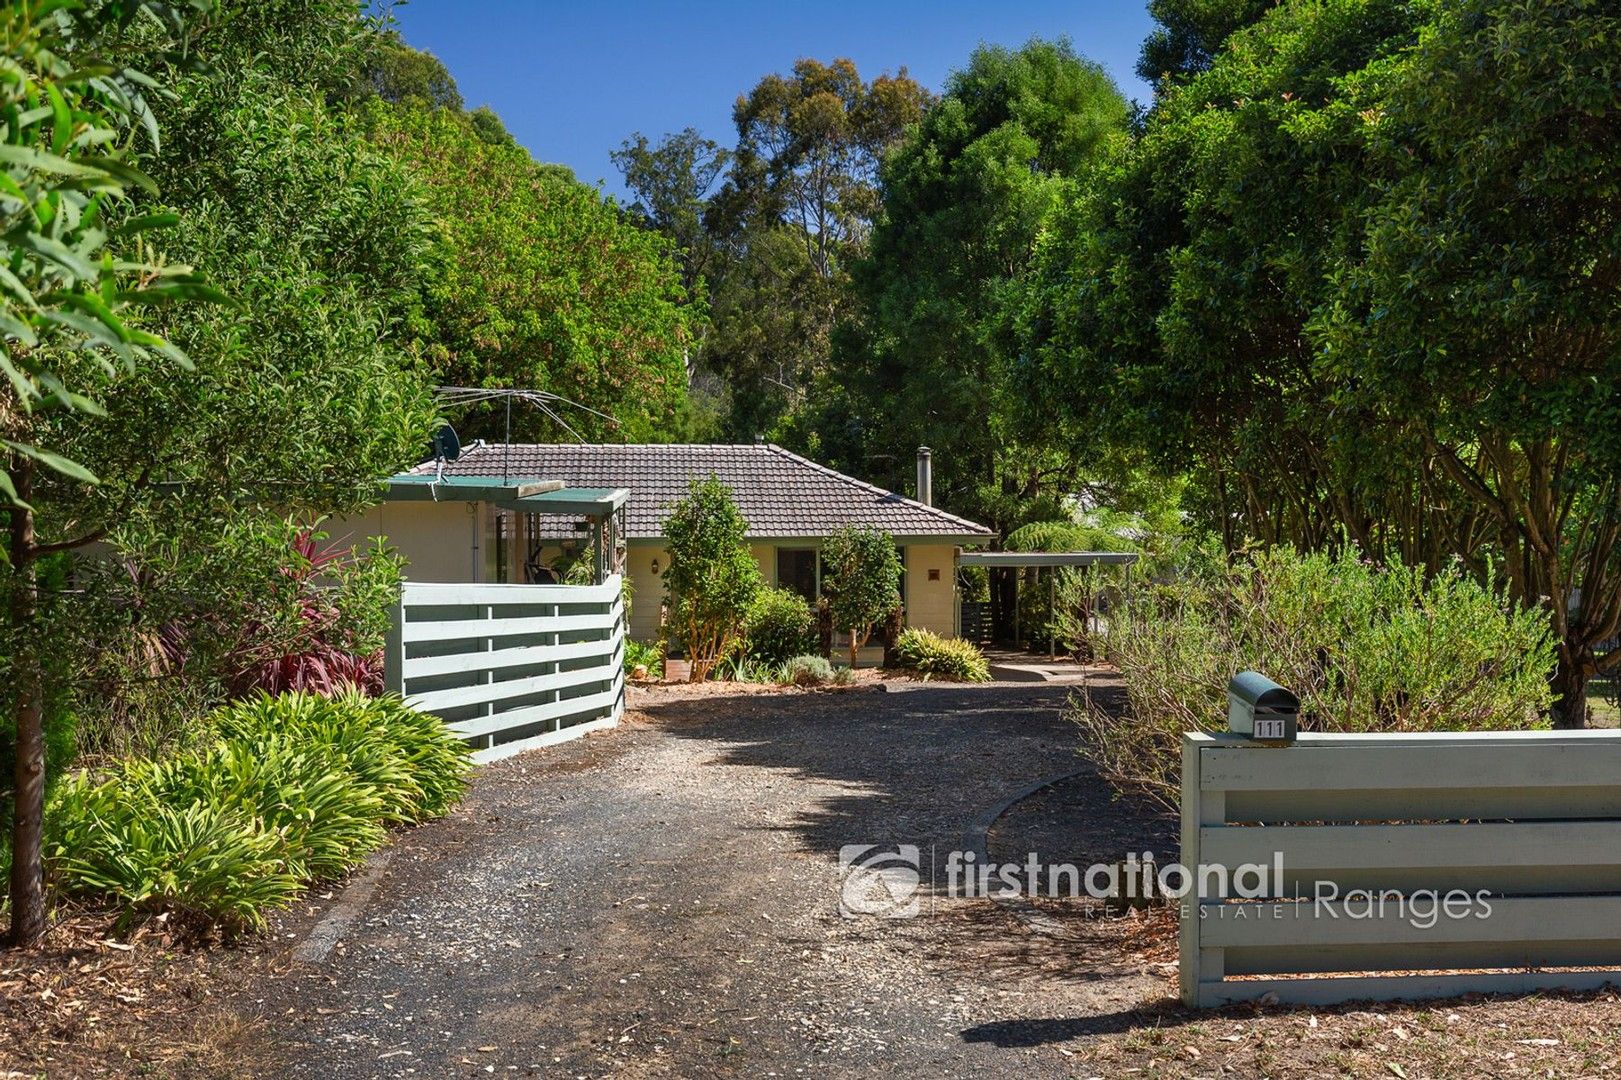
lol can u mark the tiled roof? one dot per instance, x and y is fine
(780, 493)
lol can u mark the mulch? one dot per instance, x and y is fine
(88, 1002)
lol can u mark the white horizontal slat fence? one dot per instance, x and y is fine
(510, 667)
(1530, 819)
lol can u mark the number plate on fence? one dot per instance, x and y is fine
(1271, 729)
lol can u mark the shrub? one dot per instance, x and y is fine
(638, 654)
(211, 863)
(326, 817)
(778, 625)
(861, 577)
(418, 767)
(746, 669)
(335, 635)
(931, 656)
(807, 671)
(297, 788)
(712, 576)
(1368, 647)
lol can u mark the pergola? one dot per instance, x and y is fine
(602, 508)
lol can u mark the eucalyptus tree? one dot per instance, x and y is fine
(809, 146)
(673, 180)
(769, 248)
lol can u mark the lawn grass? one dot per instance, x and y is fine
(1604, 713)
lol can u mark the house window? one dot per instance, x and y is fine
(796, 570)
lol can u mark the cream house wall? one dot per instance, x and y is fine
(932, 604)
(647, 595)
(765, 556)
(648, 598)
(444, 542)
(439, 540)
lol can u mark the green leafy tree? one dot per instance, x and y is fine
(1168, 307)
(392, 70)
(69, 162)
(68, 167)
(1190, 34)
(1357, 277)
(297, 399)
(933, 358)
(542, 285)
(712, 577)
(861, 579)
(490, 127)
(1478, 319)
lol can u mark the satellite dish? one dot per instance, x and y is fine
(446, 446)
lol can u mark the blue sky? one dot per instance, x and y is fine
(573, 80)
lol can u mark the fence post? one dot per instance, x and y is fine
(1188, 905)
(1200, 809)
(394, 646)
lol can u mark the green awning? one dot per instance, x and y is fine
(532, 496)
(570, 502)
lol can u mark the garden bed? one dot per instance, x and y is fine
(88, 1004)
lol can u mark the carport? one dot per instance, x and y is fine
(1051, 561)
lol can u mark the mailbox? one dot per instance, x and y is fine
(1262, 710)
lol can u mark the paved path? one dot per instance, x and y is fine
(663, 900)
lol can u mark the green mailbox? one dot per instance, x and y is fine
(1260, 709)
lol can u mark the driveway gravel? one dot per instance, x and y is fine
(663, 899)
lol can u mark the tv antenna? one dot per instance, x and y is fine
(549, 403)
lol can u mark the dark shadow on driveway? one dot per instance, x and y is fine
(911, 767)
(921, 764)
(1028, 1033)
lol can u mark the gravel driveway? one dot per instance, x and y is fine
(662, 899)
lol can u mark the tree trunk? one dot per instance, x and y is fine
(1570, 691)
(27, 871)
(855, 647)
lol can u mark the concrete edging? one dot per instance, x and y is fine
(977, 839)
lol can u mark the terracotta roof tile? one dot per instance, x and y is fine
(780, 493)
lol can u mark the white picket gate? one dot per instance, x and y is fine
(510, 667)
(1370, 830)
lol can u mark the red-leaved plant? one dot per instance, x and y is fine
(319, 655)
